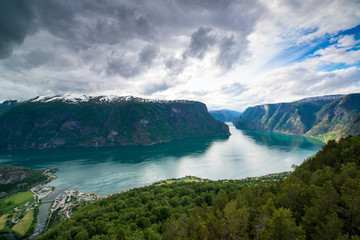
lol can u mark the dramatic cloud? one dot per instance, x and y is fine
(230, 52)
(226, 53)
(16, 21)
(127, 66)
(201, 40)
(156, 87)
(147, 55)
(175, 65)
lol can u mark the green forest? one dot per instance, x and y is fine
(319, 200)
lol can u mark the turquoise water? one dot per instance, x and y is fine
(108, 170)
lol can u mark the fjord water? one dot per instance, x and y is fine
(108, 170)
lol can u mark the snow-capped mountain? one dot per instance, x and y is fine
(69, 121)
(321, 98)
(79, 98)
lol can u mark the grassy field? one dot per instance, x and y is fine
(23, 225)
(16, 200)
(325, 137)
(3, 219)
(268, 179)
(191, 179)
(184, 179)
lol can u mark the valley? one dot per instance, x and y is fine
(242, 154)
(303, 204)
(179, 120)
(233, 160)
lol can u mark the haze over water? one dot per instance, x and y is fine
(108, 170)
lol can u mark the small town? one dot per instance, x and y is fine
(40, 192)
(57, 203)
(68, 199)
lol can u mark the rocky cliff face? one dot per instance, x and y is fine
(18, 179)
(10, 174)
(63, 122)
(328, 117)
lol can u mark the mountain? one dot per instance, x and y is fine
(319, 99)
(7, 106)
(17, 179)
(65, 121)
(325, 117)
(224, 115)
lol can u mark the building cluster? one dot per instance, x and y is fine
(67, 200)
(41, 191)
(63, 204)
(19, 212)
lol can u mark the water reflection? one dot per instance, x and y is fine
(274, 139)
(107, 170)
(134, 154)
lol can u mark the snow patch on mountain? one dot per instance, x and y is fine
(79, 98)
(321, 98)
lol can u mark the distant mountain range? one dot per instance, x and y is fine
(65, 121)
(224, 115)
(325, 117)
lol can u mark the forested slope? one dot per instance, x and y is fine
(319, 200)
(326, 118)
(18, 179)
(59, 122)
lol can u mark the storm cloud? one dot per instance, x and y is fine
(16, 22)
(230, 52)
(201, 41)
(219, 52)
(128, 67)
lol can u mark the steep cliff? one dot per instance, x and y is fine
(64, 121)
(327, 117)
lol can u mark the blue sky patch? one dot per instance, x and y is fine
(301, 52)
(352, 31)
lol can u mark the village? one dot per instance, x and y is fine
(61, 203)
(65, 202)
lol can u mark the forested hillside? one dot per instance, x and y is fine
(319, 200)
(326, 117)
(65, 122)
(18, 179)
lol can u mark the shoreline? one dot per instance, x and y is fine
(55, 203)
(183, 179)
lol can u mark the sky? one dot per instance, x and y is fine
(226, 53)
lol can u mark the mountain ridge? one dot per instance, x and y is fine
(56, 122)
(325, 117)
(321, 98)
(81, 98)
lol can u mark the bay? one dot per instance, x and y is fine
(109, 170)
